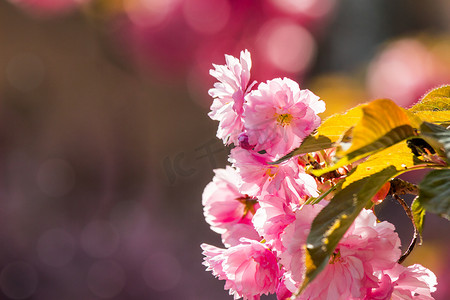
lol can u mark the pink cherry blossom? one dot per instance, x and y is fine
(213, 260)
(271, 219)
(259, 207)
(234, 232)
(224, 204)
(228, 94)
(416, 282)
(371, 241)
(404, 283)
(293, 240)
(278, 115)
(383, 291)
(250, 268)
(283, 293)
(287, 180)
(367, 247)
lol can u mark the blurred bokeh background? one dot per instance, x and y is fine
(105, 143)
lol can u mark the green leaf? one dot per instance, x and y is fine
(334, 220)
(329, 132)
(418, 212)
(435, 133)
(434, 193)
(382, 125)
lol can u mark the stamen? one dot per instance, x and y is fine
(335, 257)
(249, 203)
(284, 119)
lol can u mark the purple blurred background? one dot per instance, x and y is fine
(105, 143)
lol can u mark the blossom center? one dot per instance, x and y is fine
(249, 204)
(284, 119)
(271, 172)
(335, 257)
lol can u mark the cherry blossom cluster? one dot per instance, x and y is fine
(262, 211)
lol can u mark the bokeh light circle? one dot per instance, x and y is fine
(206, 16)
(310, 8)
(401, 72)
(287, 45)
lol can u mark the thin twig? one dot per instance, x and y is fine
(411, 217)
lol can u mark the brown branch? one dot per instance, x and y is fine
(401, 187)
(411, 217)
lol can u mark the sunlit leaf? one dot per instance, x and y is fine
(434, 193)
(434, 107)
(336, 125)
(382, 125)
(329, 132)
(333, 221)
(436, 100)
(395, 123)
(438, 117)
(399, 156)
(418, 212)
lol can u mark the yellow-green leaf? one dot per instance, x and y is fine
(336, 125)
(382, 125)
(434, 107)
(418, 212)
(436, 100)
(438, 117)
(399, 156)
(329, 132)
